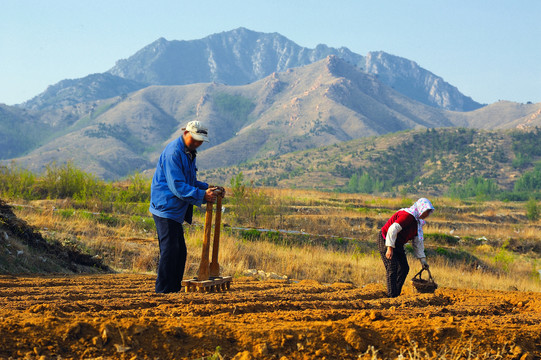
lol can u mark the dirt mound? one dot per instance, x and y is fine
(120, 316)
(23, 250)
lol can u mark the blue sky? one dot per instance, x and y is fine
(489, 49)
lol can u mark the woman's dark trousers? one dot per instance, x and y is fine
(173, 255)
(397, 268)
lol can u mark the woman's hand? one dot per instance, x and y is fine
(389, 254)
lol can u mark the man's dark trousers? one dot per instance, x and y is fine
(173, 255)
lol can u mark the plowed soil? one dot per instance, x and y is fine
(120, 316)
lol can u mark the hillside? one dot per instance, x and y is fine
(419, 161)
(90, 88)
(19, 131)
(24, 250)
(500, 115)
(322, 103)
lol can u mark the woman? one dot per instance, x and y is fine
(403, 226)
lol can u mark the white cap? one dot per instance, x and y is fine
(198, 131)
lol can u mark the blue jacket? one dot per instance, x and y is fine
(174, 186)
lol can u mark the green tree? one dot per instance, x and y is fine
(529, 181)
(353, 184)
(475, 187)
(521, 161)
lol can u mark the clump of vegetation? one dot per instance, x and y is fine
(532, 210)
(119, 132)
(476, 187)
(67, 181)
(365, 183)
(249, 205)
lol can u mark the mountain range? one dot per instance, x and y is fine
(260, 94)
(240, 57)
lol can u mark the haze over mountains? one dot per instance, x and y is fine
(260, 94)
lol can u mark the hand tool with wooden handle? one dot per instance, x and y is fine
(214, 266)
(204, 268)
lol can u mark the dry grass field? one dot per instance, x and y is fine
(326, 237)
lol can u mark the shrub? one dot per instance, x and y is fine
(108, 219)
(249, 205)
(532, 211)
(143, 223)
(16, 182)
(138, 189)
(529, 181)
(67, 181)
(442, 239)
(441, 251)
(66, 213)
(504, 258)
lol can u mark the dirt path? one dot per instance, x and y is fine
(119, 316)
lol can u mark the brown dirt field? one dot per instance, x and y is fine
(120, 316)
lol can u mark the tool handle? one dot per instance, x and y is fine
(204, 268)
(214, 266)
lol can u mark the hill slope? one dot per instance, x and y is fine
(323, 103)
(19, 131)
(22, 250)
(75, 91)
(421, 161)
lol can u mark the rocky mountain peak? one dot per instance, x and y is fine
(243, 56)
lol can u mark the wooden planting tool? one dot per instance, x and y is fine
(204, 268)
(208, 278)
(214, 266)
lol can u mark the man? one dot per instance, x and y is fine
(173, 193)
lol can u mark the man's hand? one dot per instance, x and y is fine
(219, 188)
(389, 254)
(424, 263)
(210, 195)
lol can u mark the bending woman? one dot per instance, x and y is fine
(405, 225)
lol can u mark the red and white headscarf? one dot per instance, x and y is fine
(417, 209)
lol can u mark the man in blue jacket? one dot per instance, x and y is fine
(173, 193)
